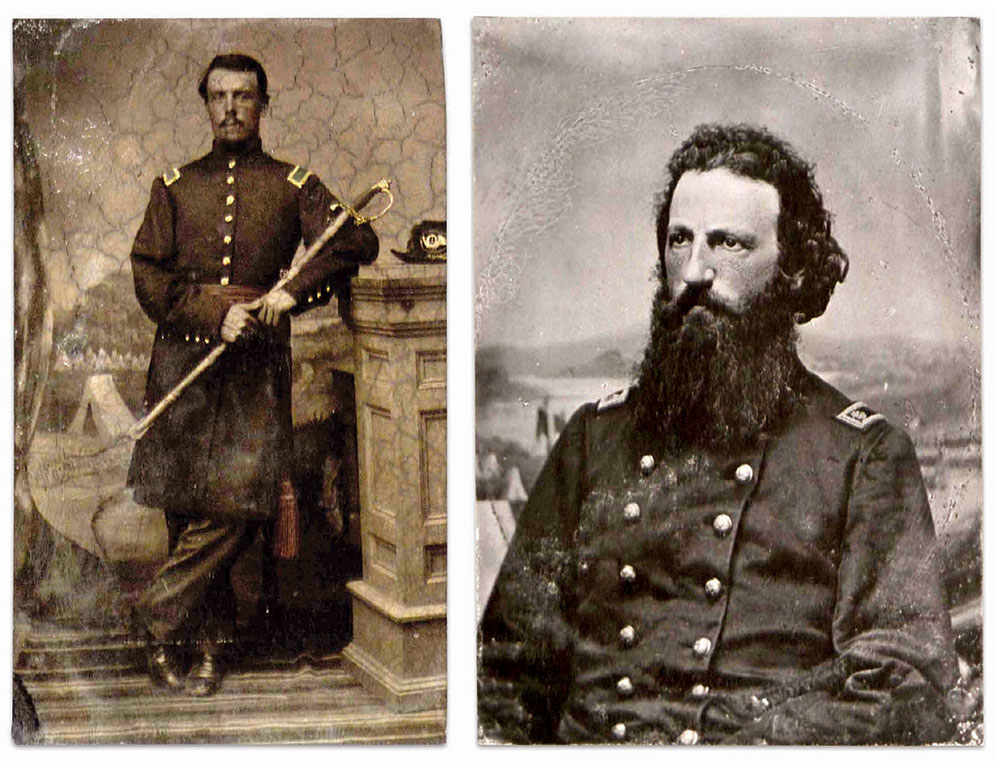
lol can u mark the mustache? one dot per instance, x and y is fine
(674, 310)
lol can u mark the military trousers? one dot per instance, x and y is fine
(191, 599)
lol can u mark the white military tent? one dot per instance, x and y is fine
(102, 413)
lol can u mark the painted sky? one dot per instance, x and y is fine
(574, 121)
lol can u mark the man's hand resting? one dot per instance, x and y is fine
(237, 323)
(274, 305)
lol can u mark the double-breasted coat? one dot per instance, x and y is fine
(786, 592)
(217, 232)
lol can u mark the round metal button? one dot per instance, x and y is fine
(646, 464)
(226, 239)
(632, 512)
(224, 280)
(722, 524)
(226, 260)
(618, 731)
(702, 646)
(627, 574)
(582, 567)
(230, 199)
(232, 163)
(627, 636)
(688, 737)
(713, 588)
(699, 691)
(230, 180)
(744, 474)
(228, 218)
(625, 687)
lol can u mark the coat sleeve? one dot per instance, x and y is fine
(525, 639)
(330, 271)
(164, 293)
(895, 657)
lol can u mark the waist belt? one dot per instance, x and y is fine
(232, 293)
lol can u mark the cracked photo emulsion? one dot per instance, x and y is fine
(230, 381)
(728, 391)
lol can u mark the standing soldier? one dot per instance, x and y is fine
(217, 235)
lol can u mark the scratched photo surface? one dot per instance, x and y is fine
(613, 618)
(339, 608)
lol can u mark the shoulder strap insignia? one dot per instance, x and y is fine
(859, 416)
(298, 176)
(171, 176)
(613, 400)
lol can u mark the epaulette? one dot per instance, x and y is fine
(171, 176)
(298, 176)
(613, 400)
(859, 416)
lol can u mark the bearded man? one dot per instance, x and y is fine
(217, 234)
(731, 551)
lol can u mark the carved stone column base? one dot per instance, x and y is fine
(398, 653)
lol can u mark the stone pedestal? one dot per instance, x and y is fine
(399, 646)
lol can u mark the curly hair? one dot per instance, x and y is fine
(237, 62)
(812, 262)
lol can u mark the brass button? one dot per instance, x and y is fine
(232, 163)
(688, 737)
(627, 574)
(230, 199)
(197, 338)
(226, 260)
(187, 337)
(713, 588)
(627, 636)
(722, 524)
(632, 512)
(226, 239)
(583, 567)
(618, 731)
(224, 280)
(744, 474)
(699, 691)
(702, 646)
(646, 464)
(228, 218)
(230, 180)
(206, 341)
(309, 299)
(625, 687)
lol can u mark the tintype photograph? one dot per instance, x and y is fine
(230, 381)
(728, 395)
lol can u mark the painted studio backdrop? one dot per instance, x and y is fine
(101, 109)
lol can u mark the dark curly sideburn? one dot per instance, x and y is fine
(812, 262)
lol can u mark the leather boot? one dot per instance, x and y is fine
(205, 676)
(164, 666)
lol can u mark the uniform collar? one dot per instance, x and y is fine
(247, 148)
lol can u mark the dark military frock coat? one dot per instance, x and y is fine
(789, 592)
(217, 232)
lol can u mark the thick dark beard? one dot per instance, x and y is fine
(713, 378)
